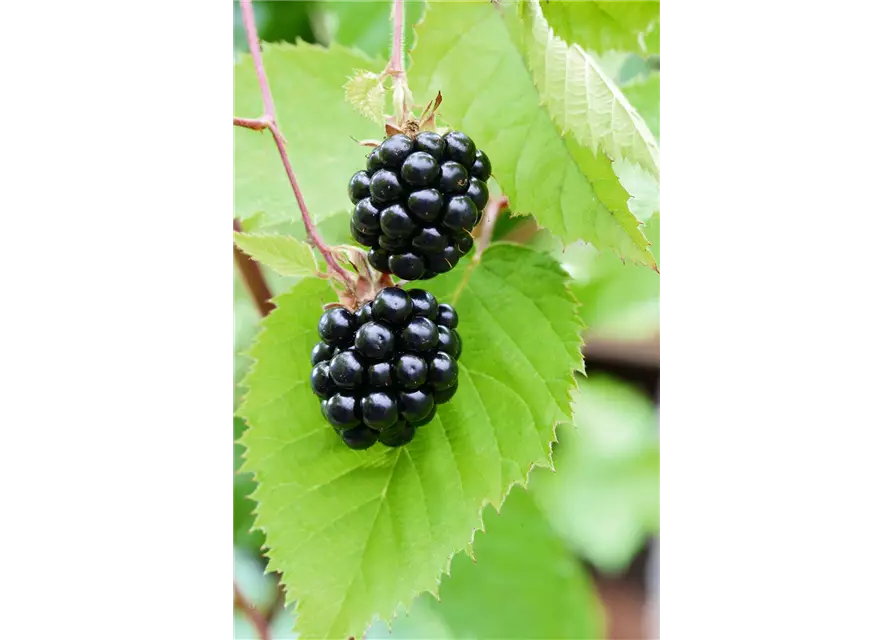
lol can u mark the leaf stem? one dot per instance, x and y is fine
(488, 224)
(253, 277)
(268, 121)
(254, 616)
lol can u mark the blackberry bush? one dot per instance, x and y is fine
(381, 371)
(417, 202)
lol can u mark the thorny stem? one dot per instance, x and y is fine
(396, 63)
(268, 121)
(253, 277)
(254, 616)
(402, 95)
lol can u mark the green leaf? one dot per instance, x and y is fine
(607, 26)
(307, 82)
(285, 254)
(355, 533)
(522, 561)
(605, 496)
(552, 128)
(365, 24)
(365, 92)
(582, 98)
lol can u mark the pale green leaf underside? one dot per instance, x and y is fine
(546, 140)
(355, 533)
(284, 254)
(525, 584)
(307, 82)
(607, 26)
(582, 98)
(644, 95)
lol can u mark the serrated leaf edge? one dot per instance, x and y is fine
(479, 526)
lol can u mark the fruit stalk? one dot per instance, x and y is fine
(402, 95)
(268, 121)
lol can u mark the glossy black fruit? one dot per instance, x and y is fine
(430, 142)
(481, 167)
(342, 411)
(463, 242)
(386, 374)
(378, 258)
(336, 326)
(321, 352)
(395, 150)
(385, 187)
(416, 405)
(359, 437)
(408, 266)
(346, 369)
(429, 241)
(444, 261)
(447, 316)
(423, 303)
(417, 202)
(443, 372)
(460, 148)
(375, 341)
(320, 381)
(448, 341)
(366, 216)
(460, 214)
(425, 204)
(396, 222)
(379, 410)
(398, 435)
(392, 305)
(364, 314)
(479, 194)
(418, 336)
(410, 370)
(380, 375)
(453, 178)
(358, 187)
(420, 169)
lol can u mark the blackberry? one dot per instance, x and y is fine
(381, 371)
(417, 202)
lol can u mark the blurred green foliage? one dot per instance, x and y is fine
(602, 503)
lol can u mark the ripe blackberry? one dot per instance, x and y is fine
(381, 371)
(417, 202)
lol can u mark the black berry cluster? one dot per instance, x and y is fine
(417, 202)
(382, 370)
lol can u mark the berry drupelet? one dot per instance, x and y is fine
(381, 371)
(417, 202)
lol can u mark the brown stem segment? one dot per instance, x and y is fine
(253, 278)
(258, 621)
(268, 121)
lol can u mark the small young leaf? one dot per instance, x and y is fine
(607, 26)
(355, 533)
(365, 92)
(284, 254)
(551, 129)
